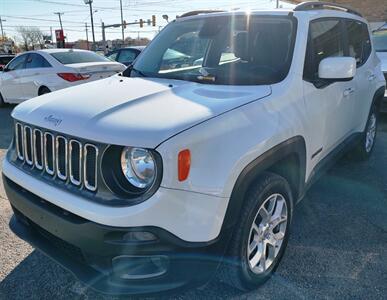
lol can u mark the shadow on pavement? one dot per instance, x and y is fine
(6, 125)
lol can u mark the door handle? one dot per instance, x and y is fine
(371, 77)
(348, 92)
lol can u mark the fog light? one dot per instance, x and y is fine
(139, 267)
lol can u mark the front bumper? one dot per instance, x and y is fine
(100, 255)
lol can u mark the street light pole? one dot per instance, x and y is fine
(122, 22)
(92, 21)
(1, 24)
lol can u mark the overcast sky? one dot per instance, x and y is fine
(41, 13)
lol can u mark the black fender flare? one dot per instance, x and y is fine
(295, 145)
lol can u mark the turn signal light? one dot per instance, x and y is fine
(184, 164)
(73, 76)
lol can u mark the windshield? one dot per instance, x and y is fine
(75, 57)
(242, 50)
(380, 40)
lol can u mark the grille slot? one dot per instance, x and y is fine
(19, 141)
(90, 167)
(28, 145)
(38, 149)
(57, 155)
(49, 153)
(75, 166)
(61, 157)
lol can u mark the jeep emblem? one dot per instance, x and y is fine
(53, 120)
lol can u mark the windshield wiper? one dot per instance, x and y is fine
(129, 70)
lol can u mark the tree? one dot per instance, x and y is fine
(30, 36)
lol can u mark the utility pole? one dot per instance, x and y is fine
(103, 37)
(122, 22)
(60, 19)
(1, 24)
(277, 4)
(52, 41)
(87, 37)
(92, 21)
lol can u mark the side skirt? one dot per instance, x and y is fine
(329, 160)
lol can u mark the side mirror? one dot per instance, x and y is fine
(337, 68)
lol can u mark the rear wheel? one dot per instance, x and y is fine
(43, 90)
(364, 149)
(261, 236)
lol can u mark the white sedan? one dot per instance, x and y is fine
(39, 72)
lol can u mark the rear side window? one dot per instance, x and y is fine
(76, 57)
(359, 42)
(325, 40)
(36, 61)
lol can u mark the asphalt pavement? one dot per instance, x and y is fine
(337, 248)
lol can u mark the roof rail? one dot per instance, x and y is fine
(314, 5)
(198, 12)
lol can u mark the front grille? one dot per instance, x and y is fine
(58, 156)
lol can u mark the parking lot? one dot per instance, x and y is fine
(337, 249)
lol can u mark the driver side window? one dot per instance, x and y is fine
(17, 63)
(325, 40)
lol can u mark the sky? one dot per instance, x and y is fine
(76, 13)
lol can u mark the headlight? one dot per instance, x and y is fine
(138, 166)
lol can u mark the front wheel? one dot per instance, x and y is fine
(262, 233)
(364, 148)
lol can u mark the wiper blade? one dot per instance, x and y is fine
(129, 69)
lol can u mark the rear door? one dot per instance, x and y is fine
(359, 43)
(10, 80)
(36, 74)
(329, 104)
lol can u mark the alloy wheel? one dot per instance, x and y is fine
(371, 133)
(267, 233)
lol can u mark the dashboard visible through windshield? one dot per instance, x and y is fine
(239, 49)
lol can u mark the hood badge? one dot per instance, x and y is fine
(53, 120)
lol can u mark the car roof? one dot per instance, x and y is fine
(55, 50)
(134, 47)
(276, 12)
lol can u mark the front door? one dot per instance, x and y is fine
(330, 105)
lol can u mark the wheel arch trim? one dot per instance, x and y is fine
(293, 146)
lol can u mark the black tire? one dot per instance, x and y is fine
(364, 149)
(44, 90)
(2, 103)
(235, 270)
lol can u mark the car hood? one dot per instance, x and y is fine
(139, 112)
(383, 58)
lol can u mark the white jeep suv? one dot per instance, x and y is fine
(193, 162)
